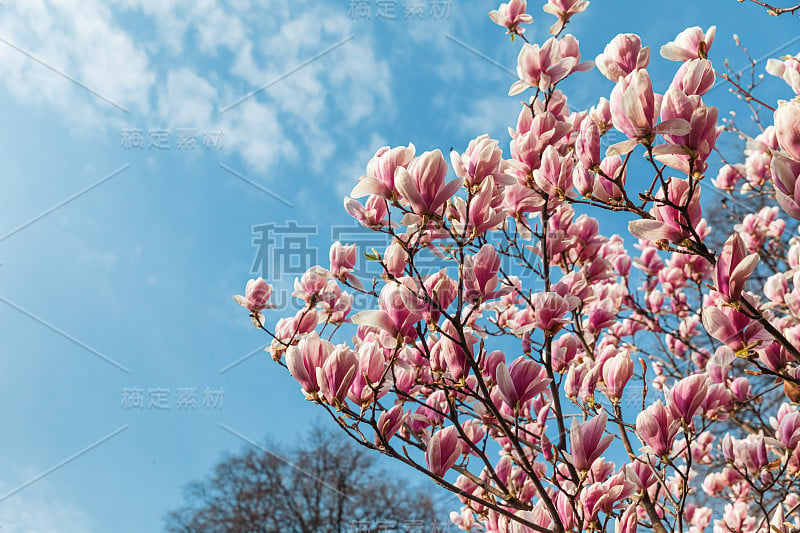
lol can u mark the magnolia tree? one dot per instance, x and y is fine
(552, 377)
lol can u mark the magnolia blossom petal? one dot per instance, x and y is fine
(653, 230)
(621, 148)
(674, 126)
(376, 318)
(367, 186)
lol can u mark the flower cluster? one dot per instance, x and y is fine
(513, 350)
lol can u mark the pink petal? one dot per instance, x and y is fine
(376, 318)
(367, 186)
(621, 148)
(653, 230)
(674, 126)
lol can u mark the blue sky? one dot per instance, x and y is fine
(129, 284)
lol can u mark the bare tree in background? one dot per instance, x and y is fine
(326, 485)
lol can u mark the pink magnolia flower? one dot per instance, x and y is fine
(750, 453)
(489, 364)
(395, 259)
(668, 223)
(543, 67)
(520, 382)
(788, 68)
(511, 15)
(444, 449)
(734, 267)
(404, 377)
(422, 185)
(442, 290)
(695, 76)
(634, 112)
(719, 365)
(601, 115)
(379, 179)
(657, 428)
(597, 185)
(701, 135)
(581, 381)
(533, 135)
(565, 349)
(633, 108)
(756, 166)
(788, 432)
(372, 215)
(287, 328)
(389, 423)
(601, 470)
(691, 43)
(465, 520)
(564, 10)
(312, 285)
(336, 304)
(480, 216)
(736, 516)
(565, 511)
(343, 258)
(773, 356)
(728, 177)
(604, 497)
(787, 128)
(718, 396)
(519, 200)
(587, 442)
(482, 158)
(686, 397)
(554, 176)
(756, 227)
(569, 47)
(616, 373)
(369, 371)
(740, 389)
(399, 310)
(623, 55)
(699, 517)
(475, 432)
(481, 273)
(304, 358)
(639, 472)
(733, 328)
(627, 522)
(448, 350)
(336, 375)
(256, 296)
(549, 309)
(587, 145)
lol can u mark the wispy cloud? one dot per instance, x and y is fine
(74, 57)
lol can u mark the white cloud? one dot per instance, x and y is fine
(254, 131)
(492, 115)
(26, 513)
(187, 100)
(79, 39)
(182, 63)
